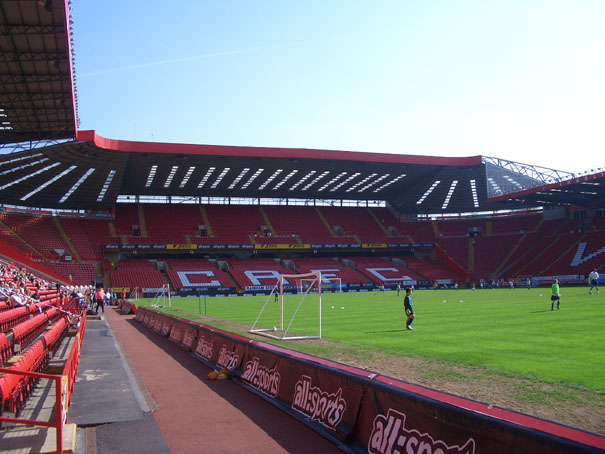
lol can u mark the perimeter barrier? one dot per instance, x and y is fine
(364, 412)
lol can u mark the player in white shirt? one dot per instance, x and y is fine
(593, 277)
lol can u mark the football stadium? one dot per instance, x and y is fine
(175, 297)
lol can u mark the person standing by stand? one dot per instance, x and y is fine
(409, 312)
(99, 297)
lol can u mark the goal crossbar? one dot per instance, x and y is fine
(279, 287)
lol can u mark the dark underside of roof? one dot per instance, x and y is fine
(585, 192)
(36, 100)
(82, 175)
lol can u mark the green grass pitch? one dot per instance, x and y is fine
(508, 331)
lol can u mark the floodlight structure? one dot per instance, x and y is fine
(280, 333)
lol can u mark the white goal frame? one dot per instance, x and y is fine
(282, 334)
(162, 295)
(134, 294)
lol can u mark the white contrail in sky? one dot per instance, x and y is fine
(216, 55)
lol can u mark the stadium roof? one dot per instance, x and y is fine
(37, 100)
(82, 170)
(91, 172)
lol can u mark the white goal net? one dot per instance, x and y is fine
(162, 297)
(270, 320)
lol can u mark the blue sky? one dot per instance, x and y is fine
(520, 80)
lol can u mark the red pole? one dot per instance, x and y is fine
(59, 414)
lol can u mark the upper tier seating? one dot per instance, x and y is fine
(38, 231)
(81, 273)
(355, 222)
(235, 223)
(88, 237)
(418, 231)
(126, 215)
(136, 273)
(302, 221)
(516, 224)
(490, 252)
(172, 223)
(460, 227)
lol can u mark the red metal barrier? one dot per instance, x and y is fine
(71, 365)
(60, 414)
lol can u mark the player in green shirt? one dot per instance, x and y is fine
(555, 295)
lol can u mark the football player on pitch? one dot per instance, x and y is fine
(555, 295)
(593, 277)
(409, 312)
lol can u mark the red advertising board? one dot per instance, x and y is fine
(323, 398)
(367, 413)
(405, 418)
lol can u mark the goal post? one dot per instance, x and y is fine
(162, 295)
(281, 333)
